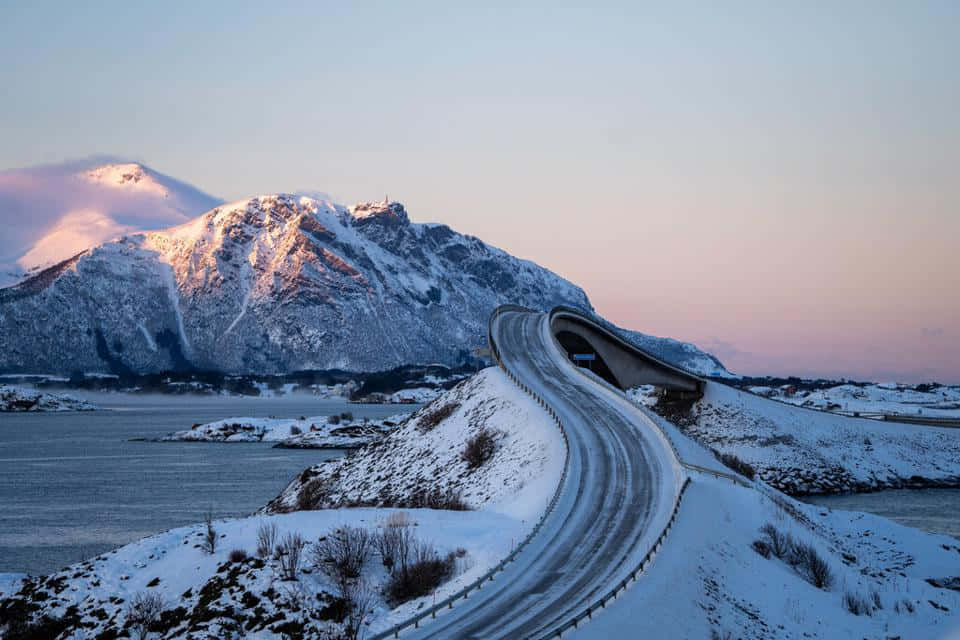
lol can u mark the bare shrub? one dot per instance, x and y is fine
(360, 599)
(209, 542)
(346, 416)
(420, 577)
(450, 499)
(738, 465)
(238, 555)
(480, 448)
(812, 565)
(393, 541)
(761, 547)
(343, 553)
(434, 416)
(290, 554)
(781, 544)
(295, 430)
(267, 534)
(856, 604)
(334, 419)
(875, 598)
(144, 611)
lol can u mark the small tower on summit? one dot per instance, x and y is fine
(386, 199)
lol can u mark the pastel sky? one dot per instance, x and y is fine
(777, 182)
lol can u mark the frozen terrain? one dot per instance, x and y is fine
(16, 398)
(424, 455)
(802, 451)
(709, 582)
(210, 596)
(316, 432)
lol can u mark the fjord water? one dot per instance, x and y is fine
(73, 485)
(933, 510)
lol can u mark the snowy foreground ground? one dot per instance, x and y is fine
(315, 432)
(803, 451)
(708, 581)
(16, 398)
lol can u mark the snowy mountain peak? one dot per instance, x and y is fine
(386, 211)
(54, 212)
(131, 176)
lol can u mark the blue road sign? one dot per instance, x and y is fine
(584, 356)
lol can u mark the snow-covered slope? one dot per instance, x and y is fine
(274, 283)
(54, 212)
(805, 451)
(709, 582)
(424, 454)
(208, 595)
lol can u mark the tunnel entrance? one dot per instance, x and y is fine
(575, 345)
(617, 361)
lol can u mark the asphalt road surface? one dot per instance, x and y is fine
(611, 495)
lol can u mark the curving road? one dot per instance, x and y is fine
(616, 495)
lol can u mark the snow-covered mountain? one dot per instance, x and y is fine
(273, 283)
(54, 212)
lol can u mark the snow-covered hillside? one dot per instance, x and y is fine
(424, 455)
(710, 582)
(803, 451)
(210, 595)
(275, 283)
(14, 398)
(51, 213)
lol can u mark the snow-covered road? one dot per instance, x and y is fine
(617, 495)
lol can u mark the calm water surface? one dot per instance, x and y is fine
(934, 510)
(72, 485)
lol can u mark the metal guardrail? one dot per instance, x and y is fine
(447, 603)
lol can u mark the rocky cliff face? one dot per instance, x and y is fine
(270, 284)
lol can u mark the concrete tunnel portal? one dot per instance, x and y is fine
(617, 361)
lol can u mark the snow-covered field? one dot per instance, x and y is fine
(15, 398)
(807, 452)
(210, 596)
(888, 398)
(708, 582)
(316, 432)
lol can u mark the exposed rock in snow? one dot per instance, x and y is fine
(802, 451)
(14, 398)
(317, 432)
